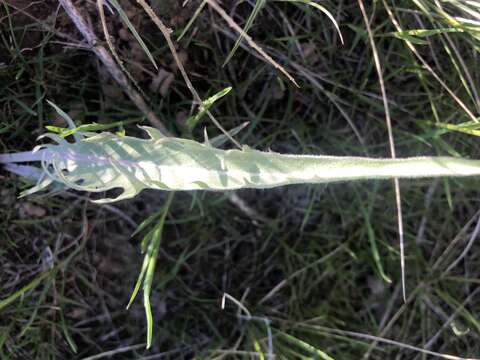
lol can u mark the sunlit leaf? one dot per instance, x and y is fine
(105, 161)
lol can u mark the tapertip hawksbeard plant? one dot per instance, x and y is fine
(97, 162)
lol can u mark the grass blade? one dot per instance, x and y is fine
(31, 285)
(147, 284)
(259, 4)
(134, 32)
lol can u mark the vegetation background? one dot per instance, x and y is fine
(309, 271)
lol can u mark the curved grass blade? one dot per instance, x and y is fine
(132, 29)
(68, 119)
(192, 20)
(321, 8)
(416, 35)
(468, 127)
(372, 238)
(154, 238)
(259, 4)
(31, 285)
(315, 352)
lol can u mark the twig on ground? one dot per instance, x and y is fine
(166, 34)
(102, 53)
(108, 38)
(214, 5)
